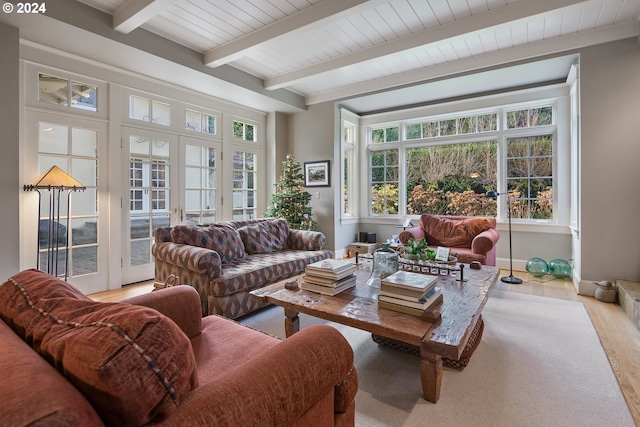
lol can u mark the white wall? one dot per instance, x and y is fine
(312, 138)
(10, 185)
(609, 235)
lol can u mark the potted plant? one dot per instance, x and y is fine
(415, 250)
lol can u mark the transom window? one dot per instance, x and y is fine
(148, 110)
(67, 92)
(244, 131)
(200, 122)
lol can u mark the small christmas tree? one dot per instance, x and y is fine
(291, 200)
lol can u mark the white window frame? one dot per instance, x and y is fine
(127, 120)
(558, 97)
(349, 121)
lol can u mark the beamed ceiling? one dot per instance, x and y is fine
(347, 50)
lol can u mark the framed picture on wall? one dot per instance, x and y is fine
(316, 174)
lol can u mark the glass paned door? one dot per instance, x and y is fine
(78, 147)
(244, 186)
(201, 172)
(151, 199)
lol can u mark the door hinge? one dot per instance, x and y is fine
(121, 263)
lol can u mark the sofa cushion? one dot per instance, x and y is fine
(227, 242)
(132, 363)
(265, 237)
(222, 238)
(440, 231)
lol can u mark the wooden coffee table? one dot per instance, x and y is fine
(358, 307)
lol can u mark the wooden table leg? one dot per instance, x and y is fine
(291, 322)
(431, 375)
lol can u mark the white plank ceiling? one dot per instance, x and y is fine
(336, 49)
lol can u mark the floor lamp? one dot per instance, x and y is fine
(510, 278)
(55, 181)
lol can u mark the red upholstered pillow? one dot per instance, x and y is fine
(454, 233)
(132, 363)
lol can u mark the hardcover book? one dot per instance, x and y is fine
(423, 304)
(329, 290)
(410, 280)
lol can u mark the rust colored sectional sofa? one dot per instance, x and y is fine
(153, 360)
(227, 260)
(470, 238)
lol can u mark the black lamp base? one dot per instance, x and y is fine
(511, 279)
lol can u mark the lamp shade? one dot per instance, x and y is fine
(54, 178)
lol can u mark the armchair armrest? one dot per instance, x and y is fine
(179, 303)
(306, 240)
(485, 241)
(193, 258)
(276, 387)
(416, 232)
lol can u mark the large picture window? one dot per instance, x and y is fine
(452, 179)
(444, 165)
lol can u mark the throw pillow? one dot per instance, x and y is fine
(226, 240)
(453, 233)
(265, 237)
(132, 363)
(222, 238)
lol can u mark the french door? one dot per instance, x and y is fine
(169, 180)
(79, 147)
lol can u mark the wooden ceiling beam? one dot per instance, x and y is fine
(449, 31)
(315, 16)
(133, 13)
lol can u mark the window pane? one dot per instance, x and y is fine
(83, 231)
(541, 116)
(430, 130)
(414, 131)
(84, 142)
(192, 177)
(209, 123)
(192, 120)
(377, 136)
(250, 133)
(84, 170)
(467, 125)
(84, 260)
(192, 200)
(452, 179)
(392, 134)
(84, 202)
(161, 113)
(140, 253)
(139, 108)
(193, 155)
(84, 96)
(53, 90)
(54, 139)
(448, 127)
(238, 130)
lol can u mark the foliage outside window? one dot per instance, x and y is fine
(530, 176)
(244, 131)
(452, 179)
(384, 182)
(530, 117)
(390, 134)
(460, 126)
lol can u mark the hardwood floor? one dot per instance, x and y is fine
(619, 337)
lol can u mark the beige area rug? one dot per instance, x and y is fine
(540, 363)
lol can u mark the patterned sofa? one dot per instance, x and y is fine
(227, 260)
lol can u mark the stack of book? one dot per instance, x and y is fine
(329, 277)
(409, 292)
